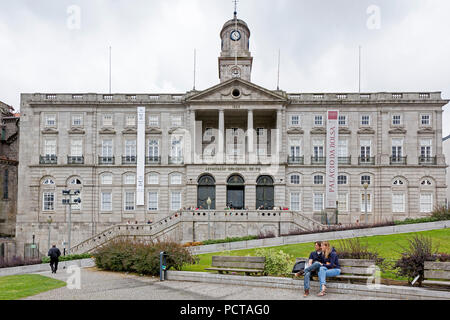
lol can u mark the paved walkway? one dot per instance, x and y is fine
(100, 285)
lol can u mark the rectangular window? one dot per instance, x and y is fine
(153, 121)
(106, 201)
(425, 120)
(295, 120)
(130, 120)
(397, 146)
(130, 179)
(318, 120)
(130, 148)
(50, 147)
(175, 200)
(50, 120)
(129, 201)
(365, 149)
(295, 201)
(342, 202)
(425, 149)
(318, 148)
(318, 180)
(176, 121)
(48, 201)
(365, 120)
(342, 120)
(76, 148)
(318, 202)
(176, 150)
(175, 179)
(107, 178)
(398, 203)
(426, 203)
(369, 203)
(153, 148)
(77, 120)
(295, 150)
(153, 201)
(343, 148)
(396, 120)
(107, 148)
(107, 120)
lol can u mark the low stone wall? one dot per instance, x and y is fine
(36, 268)
(271, 242)
(382, 291)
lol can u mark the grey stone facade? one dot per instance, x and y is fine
(236, 128)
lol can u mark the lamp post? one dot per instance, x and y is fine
(365, 186)
(69, 202)
(49, 221)
(208, 202)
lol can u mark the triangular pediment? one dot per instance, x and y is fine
(49, 131)
(295, 131)
(366, 131)
(153, 131)
(248, 91)
(318, 131)
(426, 131)
(130, 130)
(76, 130)
(398, 131)
(345, 131)
(107, 131)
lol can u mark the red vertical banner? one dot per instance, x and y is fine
(332, 159)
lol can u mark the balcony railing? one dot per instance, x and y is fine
(345, 160)
(129, 159)
(176, 160)
(153, 160)
(431, 161)
(75, 159)
(296, 160)
(366, 161)
(48, 159)
(318, 160)
(106, 160)
(398, 160)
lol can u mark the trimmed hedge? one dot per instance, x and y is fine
(69, 257)
(142, 258)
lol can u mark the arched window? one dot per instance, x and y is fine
(48, 181)
(295, 178)
(318, 179)
(365, 179)
(106, 178)
(129, 178)
(426, 182)
(48, 194)
(153, 178)
(398, 182)
(176, 178)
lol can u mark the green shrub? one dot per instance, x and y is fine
(412, 262)
(356, 249)
(69, 257)
(278, 263)
(140, 257)
(441, 213)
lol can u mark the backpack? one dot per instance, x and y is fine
(299, 267)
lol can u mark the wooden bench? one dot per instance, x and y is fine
(247, 265)
(437, 274)
(352, 270)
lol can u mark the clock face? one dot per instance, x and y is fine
(236, 73)
(235, 35)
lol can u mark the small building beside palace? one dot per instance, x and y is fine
(141, 157)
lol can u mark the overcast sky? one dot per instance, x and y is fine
(56, 46)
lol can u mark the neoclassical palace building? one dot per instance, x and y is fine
(141, 157)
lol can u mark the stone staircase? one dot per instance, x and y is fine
(166, 228)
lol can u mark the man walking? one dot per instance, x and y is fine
(54, 254)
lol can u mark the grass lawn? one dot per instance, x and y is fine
(388, 247)
(21, 286)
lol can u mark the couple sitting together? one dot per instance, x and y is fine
(324, 260)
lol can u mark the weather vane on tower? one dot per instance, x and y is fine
(235, 7)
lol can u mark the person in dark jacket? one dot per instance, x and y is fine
(314, 263)
(54, 254)
(330, 268)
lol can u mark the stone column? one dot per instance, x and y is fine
(221, 138)
(250, 138)
(278, 153)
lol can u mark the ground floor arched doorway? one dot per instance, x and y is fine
(236, 192)
(206, 189)
(265, 193)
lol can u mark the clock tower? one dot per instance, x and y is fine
(235, 59)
